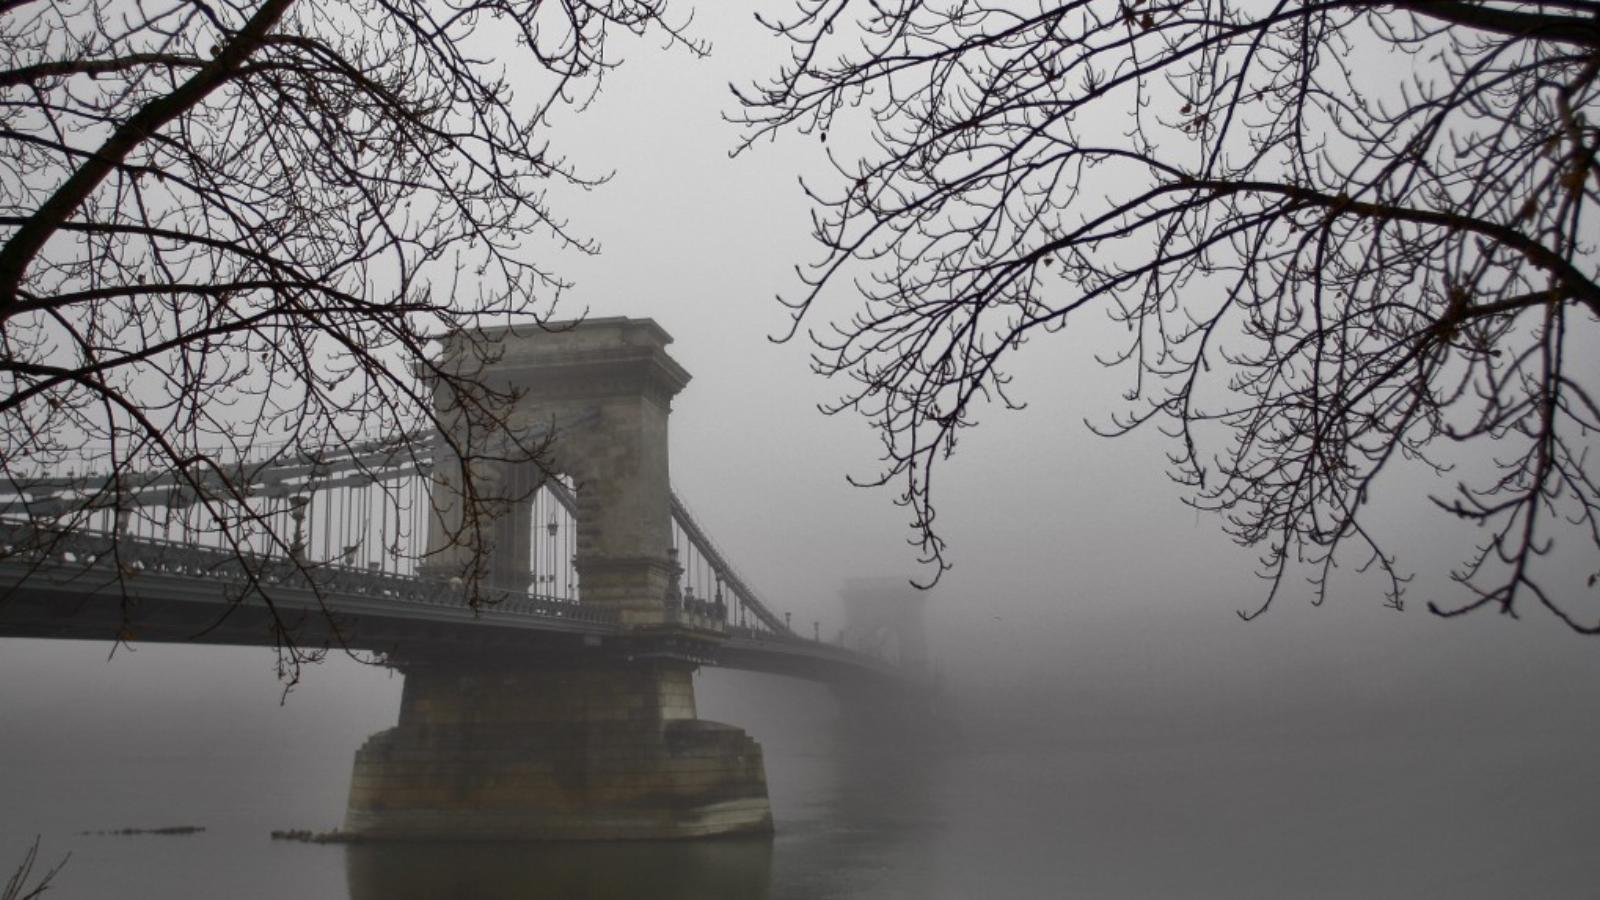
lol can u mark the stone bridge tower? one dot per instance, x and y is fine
(595, 396)
(886, 618)
(591, 737)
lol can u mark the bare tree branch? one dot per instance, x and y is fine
(1345, 238)
(235, 231)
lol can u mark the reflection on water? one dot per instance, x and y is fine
(849, 827)
(732, 868)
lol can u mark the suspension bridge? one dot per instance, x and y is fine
(547, 631)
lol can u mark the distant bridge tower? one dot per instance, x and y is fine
(886, 617)
(584, 739)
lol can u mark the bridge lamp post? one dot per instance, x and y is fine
(549, 576)
(297, 512)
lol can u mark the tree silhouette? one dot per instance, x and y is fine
(234, 231)
(1339, 234)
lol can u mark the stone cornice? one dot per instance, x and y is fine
(588, 358)
(655, 376)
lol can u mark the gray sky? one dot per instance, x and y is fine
(1042, 516)
(1079, 576)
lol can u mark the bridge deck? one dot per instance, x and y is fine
(100, 586)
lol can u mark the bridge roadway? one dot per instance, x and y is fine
(68, 586)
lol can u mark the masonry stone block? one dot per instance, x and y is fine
(596, 751)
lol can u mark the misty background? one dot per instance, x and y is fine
(1118, 721)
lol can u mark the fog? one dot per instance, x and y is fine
(1088, 624)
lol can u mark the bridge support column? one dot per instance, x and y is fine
(581, 750)
(560, 741)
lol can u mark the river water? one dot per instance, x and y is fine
(1162, 807)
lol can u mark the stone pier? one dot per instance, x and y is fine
(603, 751)
(590, 742)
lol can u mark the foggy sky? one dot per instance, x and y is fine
(1083, 590)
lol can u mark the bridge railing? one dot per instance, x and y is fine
(365, 508)
(367, 505)
(125, 559)
(109, 560)
(365, 502)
